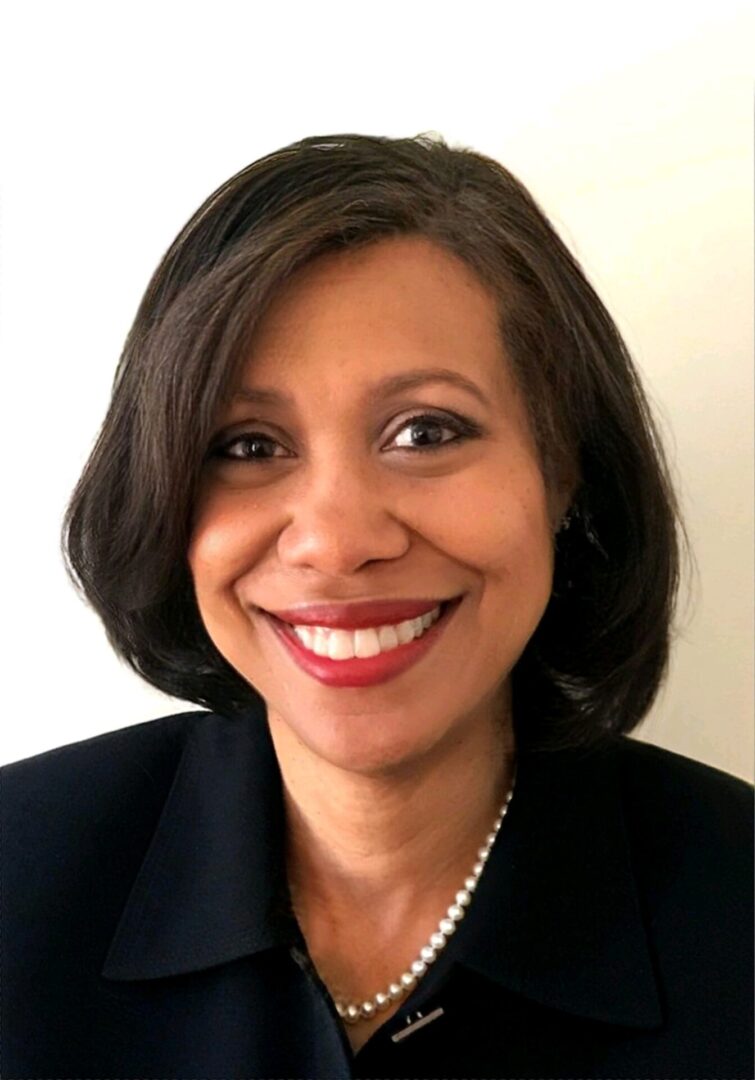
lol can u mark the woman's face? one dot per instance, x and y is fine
(331, 498)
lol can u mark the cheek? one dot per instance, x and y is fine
(221, 545)
(515, 566)
(498, 526)
(218, 553)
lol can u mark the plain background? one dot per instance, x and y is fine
(631, 126)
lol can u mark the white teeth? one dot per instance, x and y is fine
(388, 637)
(366, 642)
(339, 644)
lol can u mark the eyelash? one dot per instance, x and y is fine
(464, 429)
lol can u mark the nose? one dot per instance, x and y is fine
(340, 520)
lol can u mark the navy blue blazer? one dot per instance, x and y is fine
(146, 931)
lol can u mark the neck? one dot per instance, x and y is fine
(397, 844)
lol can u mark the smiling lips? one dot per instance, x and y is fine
(373, 652)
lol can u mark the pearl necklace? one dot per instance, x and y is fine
(352, 1012)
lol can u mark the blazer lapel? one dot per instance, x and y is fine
(558, 915)
(211, 887)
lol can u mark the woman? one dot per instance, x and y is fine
(411, 836)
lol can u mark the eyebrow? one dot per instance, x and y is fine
(390, 386)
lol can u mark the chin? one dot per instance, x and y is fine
(370, 745)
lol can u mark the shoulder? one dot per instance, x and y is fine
(681, 793)
(83, 815)
(690, 832)
(132, 740)
(144, 733)
(104, 778)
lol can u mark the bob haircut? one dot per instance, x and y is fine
(596, 660)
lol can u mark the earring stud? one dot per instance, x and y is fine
(566, 521)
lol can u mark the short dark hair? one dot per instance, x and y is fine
(596, 660)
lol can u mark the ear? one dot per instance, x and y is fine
(564, 485)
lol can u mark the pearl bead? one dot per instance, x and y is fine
(367, 1009)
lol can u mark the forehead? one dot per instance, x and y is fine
(377, 310)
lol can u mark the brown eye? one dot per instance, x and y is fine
(251, 441)
(430, 427)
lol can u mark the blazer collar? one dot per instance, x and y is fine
(211, 886)
(555, 916)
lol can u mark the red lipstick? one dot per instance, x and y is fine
(367, 671)
(357, 615)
